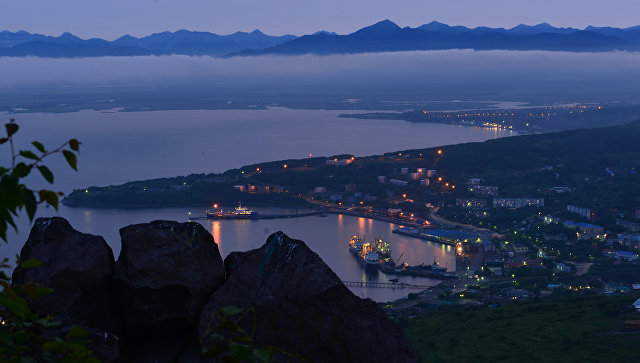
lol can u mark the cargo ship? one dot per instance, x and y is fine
(240, 212)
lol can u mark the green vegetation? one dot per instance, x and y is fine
(570, 328)
(25, 336)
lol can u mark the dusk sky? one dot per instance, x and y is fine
(110, 19)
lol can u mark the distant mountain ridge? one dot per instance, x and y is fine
(384, 36)
(185, 42)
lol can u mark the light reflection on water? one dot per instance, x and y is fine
(327, 236)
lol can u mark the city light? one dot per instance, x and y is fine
(439, 152)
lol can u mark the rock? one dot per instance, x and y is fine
(165, 274)
(302, 307)
(78, 267)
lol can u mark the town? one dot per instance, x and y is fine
(548, 220)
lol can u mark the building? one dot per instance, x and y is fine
(382, 178)
(590, 214)
(258, 189)
(471, 203)
(635, 227)
(561, 267)
(318, 190)
(484, 190)
(474, 181)
(350, 188)
(626, 255)
(517, 202)
(342, 162)
(431, 173)
(414, 176)
(551, 220)
(335, 197)
(449, 236)
(240, 188)
(586, 230)
(404, 171)
(421, 171)
(521, 249)
(424, 182)
(399, 183)
(629, 239)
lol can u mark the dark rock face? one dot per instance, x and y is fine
(302, 307)
(165, 274)
(78, 267)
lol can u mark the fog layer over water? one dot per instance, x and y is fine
(513, 75)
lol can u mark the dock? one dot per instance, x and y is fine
(263, 216)
(385, 285)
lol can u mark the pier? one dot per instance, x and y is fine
(385, 285)
(262, 216)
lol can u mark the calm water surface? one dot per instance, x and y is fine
(327, 236)
(126, 146)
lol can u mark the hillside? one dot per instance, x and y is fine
(576, 329)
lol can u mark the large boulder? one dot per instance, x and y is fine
(302, 307)
(165, 274)
(78, 267)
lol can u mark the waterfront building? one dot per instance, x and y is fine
(421, 171)
(431, 173)
(382, 178)
(341, 162)
(404, 171)
(424, 182)
(474, 181)
(414, 176)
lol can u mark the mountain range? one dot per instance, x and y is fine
(384, 36)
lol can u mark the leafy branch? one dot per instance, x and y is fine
(14, 195)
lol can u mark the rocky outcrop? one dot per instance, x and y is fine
(78, 267)
(156, 303)
(302, 307)
(165, 274)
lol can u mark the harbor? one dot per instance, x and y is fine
(376, 256)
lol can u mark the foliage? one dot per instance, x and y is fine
(225, 340)
(25, 336)
(14, 195)
(586, 327)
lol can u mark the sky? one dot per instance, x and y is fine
(110, 19)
